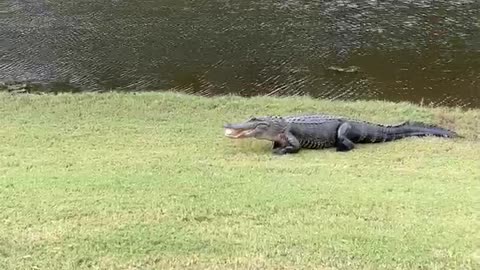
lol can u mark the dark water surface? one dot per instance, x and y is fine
(398, 50)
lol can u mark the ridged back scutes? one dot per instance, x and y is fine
(402, 124)
(421, 124)
(407, 123)
(323, 118)
(300, 119)
(312, 119)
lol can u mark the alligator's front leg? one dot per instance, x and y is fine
(276, 145)
(292, 145)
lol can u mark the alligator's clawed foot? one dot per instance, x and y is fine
(285, 150)
(345, 145)
(279, 151)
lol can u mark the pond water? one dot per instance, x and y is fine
(398, 50)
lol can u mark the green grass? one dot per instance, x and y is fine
(148, 181)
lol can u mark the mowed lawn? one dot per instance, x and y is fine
(148, 181)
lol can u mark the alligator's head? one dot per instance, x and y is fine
(266, 128)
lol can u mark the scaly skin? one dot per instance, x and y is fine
(292, 133)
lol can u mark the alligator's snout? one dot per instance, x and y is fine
(237, 131)
(237, 126)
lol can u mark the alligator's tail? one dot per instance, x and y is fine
(380, 133)
(414, 129)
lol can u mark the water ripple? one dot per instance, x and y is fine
(402, 48)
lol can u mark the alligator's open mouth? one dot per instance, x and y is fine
(237, 133)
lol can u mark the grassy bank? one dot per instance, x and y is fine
(147, 181)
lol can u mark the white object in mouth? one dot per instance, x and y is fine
(234, 133)
(229, 131)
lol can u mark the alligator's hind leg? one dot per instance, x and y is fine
(344, 144)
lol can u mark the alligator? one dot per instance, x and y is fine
(289, 134)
